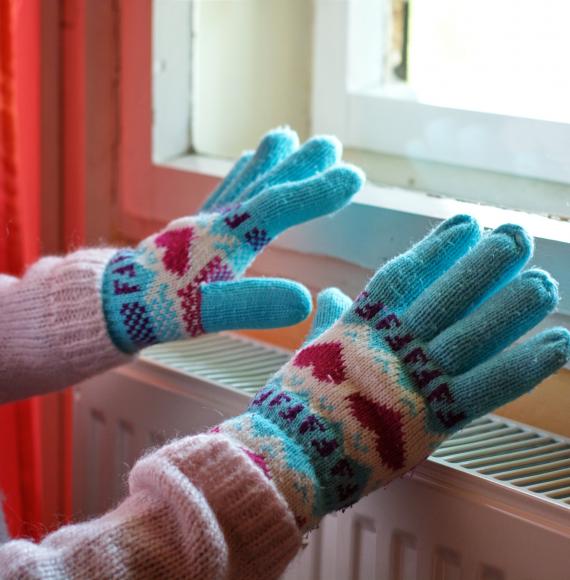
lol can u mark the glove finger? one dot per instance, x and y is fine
(273, 148)
(331, 305)
(290, 204)
(216, 197)
(499, 321)
(504, 378)
(399, 282)
(313, 157)
(489, 266)
(253, 303)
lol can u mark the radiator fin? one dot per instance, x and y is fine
(492, 447)
(226, 359)
(513, 454)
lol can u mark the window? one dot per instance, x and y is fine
(413, 88)
(201, 80)
(454, 82)
(506, 57)
(225, 72)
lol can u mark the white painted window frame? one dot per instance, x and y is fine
(350, 101)
(380, 223)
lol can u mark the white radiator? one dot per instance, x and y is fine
(492, 504)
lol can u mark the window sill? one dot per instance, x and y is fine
(408, 201)
(381, 223)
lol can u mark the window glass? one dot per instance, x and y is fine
(508, 57)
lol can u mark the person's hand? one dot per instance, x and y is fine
(381, 382)
(185, 280)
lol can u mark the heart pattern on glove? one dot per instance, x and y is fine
(326, 360)
(176, 258)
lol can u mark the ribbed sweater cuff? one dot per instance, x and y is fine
(259, 528)
(54, 320)
(77, 314)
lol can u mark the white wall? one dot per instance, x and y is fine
(259, 53)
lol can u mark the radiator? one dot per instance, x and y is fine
(493, 503)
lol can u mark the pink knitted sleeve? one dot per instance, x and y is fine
(52, 326)
(198, 508)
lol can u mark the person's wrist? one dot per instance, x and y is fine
(242, 502)
(284, 461)
(128, 315)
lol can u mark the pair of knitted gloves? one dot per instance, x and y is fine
(380, 382)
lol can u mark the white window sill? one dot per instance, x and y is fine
(408, 201)
(382, 222)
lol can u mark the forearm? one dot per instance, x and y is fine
(52, 325)
(198, 508)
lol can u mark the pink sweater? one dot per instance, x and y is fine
(197, 508)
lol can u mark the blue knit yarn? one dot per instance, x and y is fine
(331, 305)
(254, 303)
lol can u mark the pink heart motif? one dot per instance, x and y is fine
(176, 258)
(386, 424)
(326, 360)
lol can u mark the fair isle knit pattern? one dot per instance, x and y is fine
(374, 394)
(338, 422)
(153, 293)
(185, 280)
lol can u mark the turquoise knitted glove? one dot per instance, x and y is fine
(420, 353)
(182, 282)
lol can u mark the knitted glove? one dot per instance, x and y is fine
(421, 352)
(182, 282)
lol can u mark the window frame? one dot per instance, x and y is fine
(348, 100)
(151, 192)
